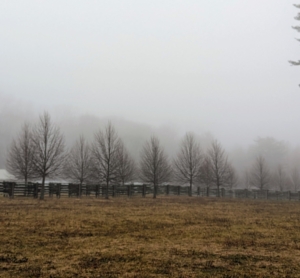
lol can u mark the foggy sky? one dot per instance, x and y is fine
(206, 66)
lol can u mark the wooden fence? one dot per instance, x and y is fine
(58, 190)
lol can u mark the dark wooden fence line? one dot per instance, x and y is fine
(58, 190)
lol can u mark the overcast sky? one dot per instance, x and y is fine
(218, 66)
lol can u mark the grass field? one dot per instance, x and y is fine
(166, 237)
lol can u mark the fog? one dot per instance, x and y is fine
(217, 68)
(72, 124)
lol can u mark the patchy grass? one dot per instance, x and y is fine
(166, 237)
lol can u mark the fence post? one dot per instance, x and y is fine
(58, 189)
(86, 189)
(113, 190)
(35, 190)
(207, 192)
(198, 191)
(50, 190)
(128, 190)
(71, 188)
(12, 190)
(97, 190)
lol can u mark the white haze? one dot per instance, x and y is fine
(217, 67)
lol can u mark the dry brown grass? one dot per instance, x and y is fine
(167, 237)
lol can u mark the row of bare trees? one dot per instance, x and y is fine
(39, 153)
(212, 168)
(262, 177)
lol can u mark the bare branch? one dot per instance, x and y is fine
(232, 177)
(105, 155)
(126, 169)
(78, 164)
(280, 177)
(21, 154)
(49, 147)
(187, 165)
(154, 166)
(247, 180)
(260, 175)
(295, 178)
(219, 164)
(206, 177)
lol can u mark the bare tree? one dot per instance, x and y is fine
(295, 178)
(154, 165)
(126, 168)
(206, 177)
(232, 178)
(260, 174)
(49, 147)
(105, 154)
(247, 179)
(19, 161)
(280, 177)
(187, 164)
(78, 164)
(219, 165)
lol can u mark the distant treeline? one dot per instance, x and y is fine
(39, 152)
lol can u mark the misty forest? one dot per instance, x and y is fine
(42, 150)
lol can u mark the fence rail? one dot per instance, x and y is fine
(58, 190)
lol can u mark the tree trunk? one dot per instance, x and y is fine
(43, 189)
(154, 191)
(79, 189)
(26, 187)
(106, 193)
